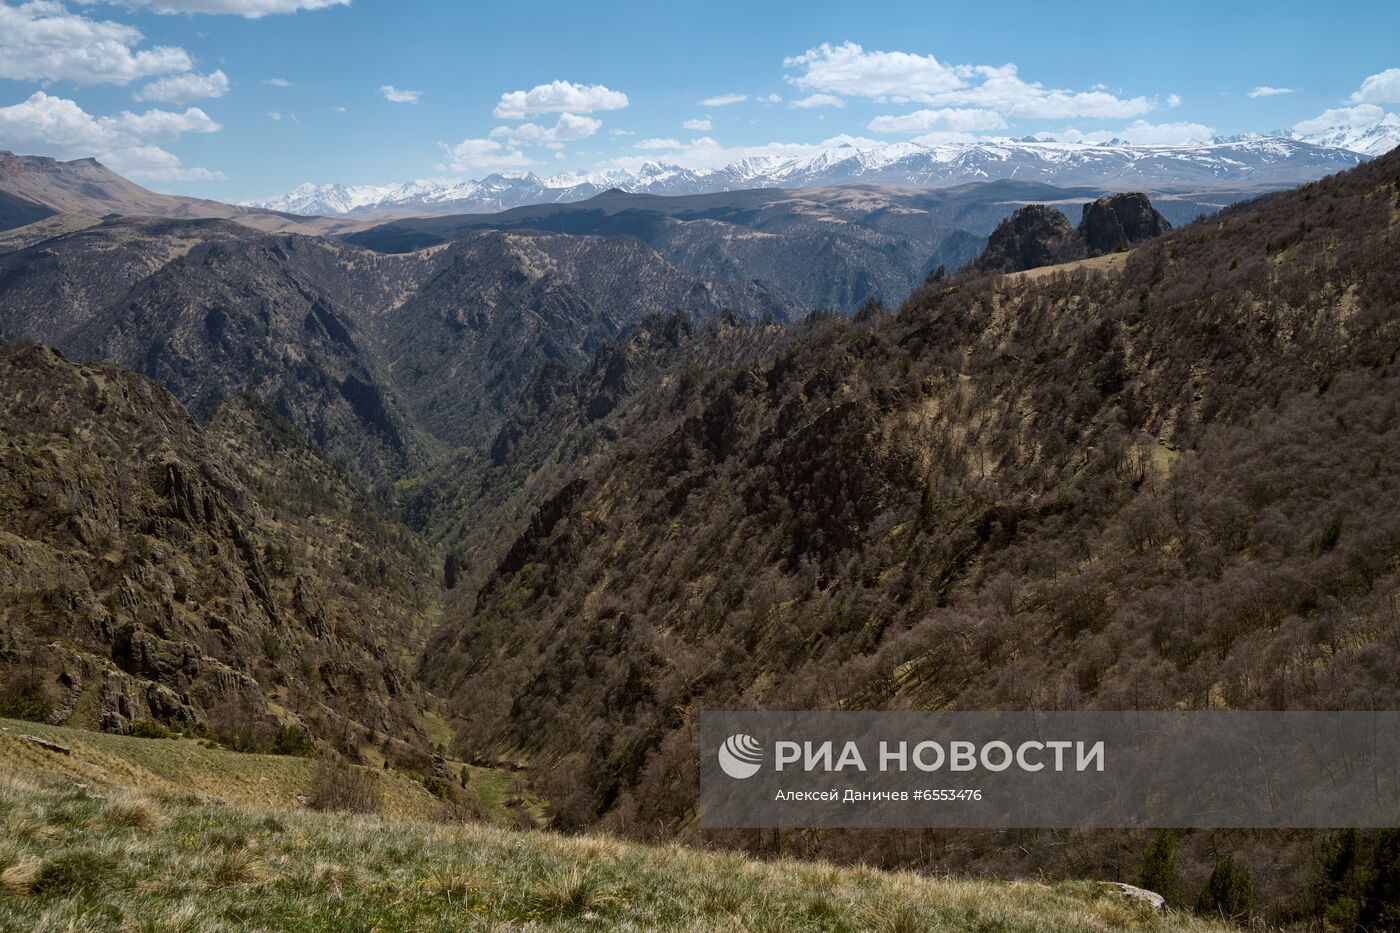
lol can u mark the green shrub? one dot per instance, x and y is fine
(293, 740)
(1228, 892)
(1160, 868)
(149, 729)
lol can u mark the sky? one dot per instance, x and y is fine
(241, 99)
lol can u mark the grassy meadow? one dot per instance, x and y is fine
(123, 834)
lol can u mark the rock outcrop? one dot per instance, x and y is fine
(1118, 221)
(1037, 235)
(1034, 236)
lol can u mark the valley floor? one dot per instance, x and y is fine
(119, 835)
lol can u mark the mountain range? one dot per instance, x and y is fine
(825, 247)
(1260, 162)
(580, 470)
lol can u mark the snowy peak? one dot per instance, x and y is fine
(1279, 160)
(1373, 138)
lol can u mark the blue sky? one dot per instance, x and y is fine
(237, 99)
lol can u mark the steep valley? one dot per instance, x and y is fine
(569, 486)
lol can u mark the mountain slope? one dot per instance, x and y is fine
(299, 871)
(1163, 486)
(218, 576)
(381, 360)
(33, 187)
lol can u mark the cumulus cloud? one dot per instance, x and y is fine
(56, 126)
(1173, 100)
(1266, 90)
(818, 100)
(848, 70)
(558, 97)
(947, 119)
(396, 96)
(699, 125)
(180, 89)
(1382, 88)
(770, 99)
(1363, 115)
(658, 144)
(567, 128)
(277, 82)
(251, 9)
(43, 41)
(485, 155)
(724, 100)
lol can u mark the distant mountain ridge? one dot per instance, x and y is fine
(33, 188)
(827, 247)
(1263, 161)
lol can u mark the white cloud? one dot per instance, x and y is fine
(277, 82)
(901, 77)
(396, 96)
(617, 132)
(1141, 133)
(56, 126)
(724, 100)
(252, 9)
(849, 70)
(484, 155)
(948, 119)
(1360, 116)
(558, 97)
(1002, 89)
(42, 41)
(944, 138)
(1382, 88)
(770, 99)
(180, 89)
(567, 128)
(657, 144)
(1265, 90)
(700, 126)
(1173, 100)
(340, 109)
(705, 152)
(274, 115)
(818, 100)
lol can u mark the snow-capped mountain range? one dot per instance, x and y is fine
(1243, 161)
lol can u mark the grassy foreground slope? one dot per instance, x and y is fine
(75, 856)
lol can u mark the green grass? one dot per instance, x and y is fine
(188, 766)
(121, 835)
(82, 858)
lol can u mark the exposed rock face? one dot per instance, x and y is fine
(1122, 220)
(1034, 236)
(382, 361)
(1037, 235)
(155, 569)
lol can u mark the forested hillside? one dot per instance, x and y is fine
(1164, 486)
